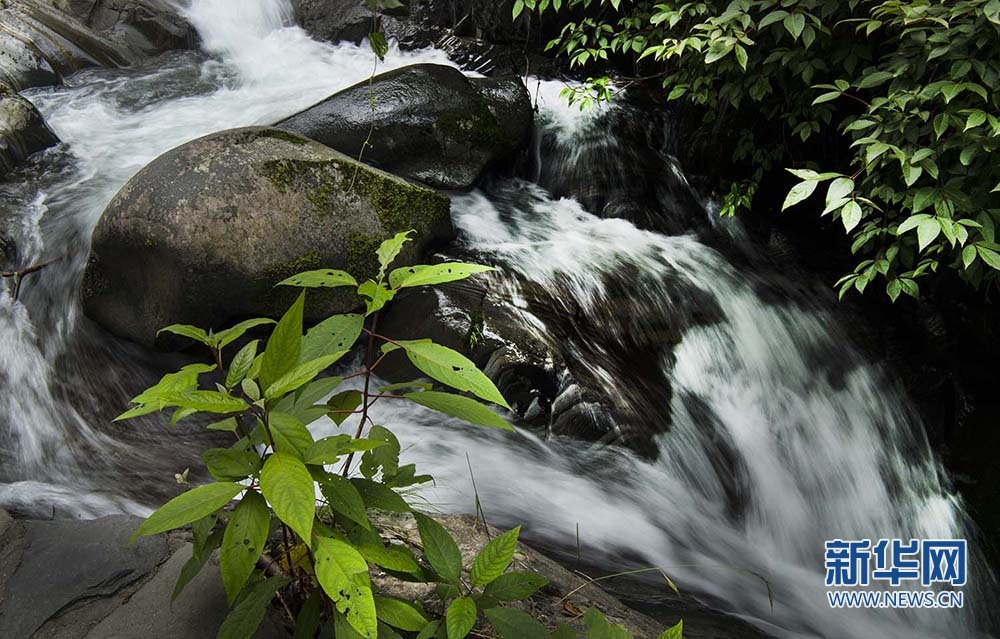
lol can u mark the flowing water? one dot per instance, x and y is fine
(782, 435)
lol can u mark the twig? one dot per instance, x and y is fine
(18, 276)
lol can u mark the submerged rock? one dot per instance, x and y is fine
(203, 233)
(22, 131)
(429, 123)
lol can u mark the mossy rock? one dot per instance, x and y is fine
(203, 233)
(22, 131)
(425, 122)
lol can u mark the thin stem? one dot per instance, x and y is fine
(366, 395)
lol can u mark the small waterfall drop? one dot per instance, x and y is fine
(773, 432)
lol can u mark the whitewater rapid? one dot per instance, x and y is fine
(818, 442)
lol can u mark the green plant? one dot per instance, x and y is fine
(906, 91)
(277, 541)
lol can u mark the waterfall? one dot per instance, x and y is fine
(773, 432)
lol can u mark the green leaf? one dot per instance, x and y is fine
(839, 189)
(911, 223)
(794, 24)
(431, 630)
(241, 364)
(189, 507)
(563, 631)
(874, 79)
(927, 232)
(452, 368)
(288, 487)
(798, 193)
(494, 558)
(968, 255)
(851, 215)
(399, 614)
(440, 549)
(323, 278)
(893, 289)
(377, 294)
(230, 335)
(514, 586)
(329, 449)
(343, 574)
(461, 407)
(290, 435)
(384, 457)
(344, 498)
(301, 375)
(204, 401)
(826, 97)
(389, 250)
(333, 335)
(514, 624)
(284, 346)
(461, 617)
(342, 405)
(598, 626)
(394, 558)
(227, 464)
(379, 496)
(243, 542)
(309, 618)
(184, 330)
(991, 257)
(379, 44)
(244, 620)
(413, 276)
(675, 632)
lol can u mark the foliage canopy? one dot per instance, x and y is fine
(908, 89)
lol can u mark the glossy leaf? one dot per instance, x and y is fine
(288, 487)
(243, 542)
(343, 574)
(452, 368)
(189, 507)
(461, 407)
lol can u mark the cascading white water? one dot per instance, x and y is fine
(262, 68)
(811, 451)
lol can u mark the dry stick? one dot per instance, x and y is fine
(479, 505)
(18, 276)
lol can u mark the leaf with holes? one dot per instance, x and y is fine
(452, 368)
(344, 498)
(423, 275)
(323, 278)
(343, 574)
(243, 542)
(332, 335)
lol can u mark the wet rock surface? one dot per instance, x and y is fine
(427, 122)
(204, 233)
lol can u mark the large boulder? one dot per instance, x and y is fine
(429, 123)
(203, 233)
(22, 131)
(46, 40)
(138, 28)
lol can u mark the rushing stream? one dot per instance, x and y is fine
(781, 434)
